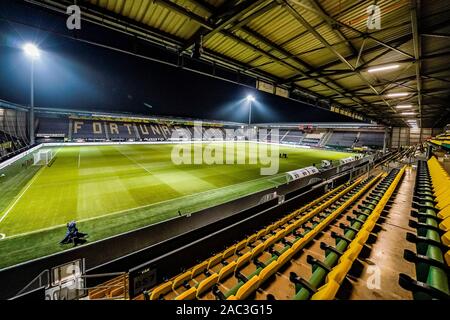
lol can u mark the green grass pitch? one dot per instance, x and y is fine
(118, 188)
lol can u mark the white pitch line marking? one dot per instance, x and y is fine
(21, 194)
(130, 210)
(2, 236)
(25, 190)
(135, 162)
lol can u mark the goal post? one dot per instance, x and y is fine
(43, 157)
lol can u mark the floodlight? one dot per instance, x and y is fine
(250, 98)
(404, 106)
(31, 50)
(376, 69)
(397, 94)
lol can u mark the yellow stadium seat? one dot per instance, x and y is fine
(260, 234)
(227, 270)
(285, 257)
(269, 242)
(327, 291)
(444, 213)
(298, 245)
(240, 246)
(190, 294)
(228, 252)
(198, 269)
(280, 234)
(232, 298)
(178, 281)
(257, 250)
(361, 237)
(446, 239)
(243, 260)
(447, 257)
(368, 226)
(443, 200)
(161, 290)
(290, 228)
(352, 252)
(269, 229)
(268, 271)
(339, 272)
(251, 239)
(248, 288)
(207, 283)
(214, 260)
(445, 225)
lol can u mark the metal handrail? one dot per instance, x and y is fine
(39, 276)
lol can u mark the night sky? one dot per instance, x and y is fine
(72, 74)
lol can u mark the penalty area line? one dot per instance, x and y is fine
(24, 191)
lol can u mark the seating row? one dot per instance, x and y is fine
(431, 203)
(208, 275)
(351, 244)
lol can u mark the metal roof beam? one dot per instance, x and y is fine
(402, 40)
(238, 11)
(336, 22)
(297, 60)
(306, 24)
(417, 49)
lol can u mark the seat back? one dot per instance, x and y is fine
(200, 268)
(226, 271)
(207, 284)
(178, 281)
(268, 271)
(248, 288)
(190, 294)
(161, 290)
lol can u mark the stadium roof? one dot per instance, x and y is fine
(318, 48)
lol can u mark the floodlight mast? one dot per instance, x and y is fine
(32, 51)
(250, 99)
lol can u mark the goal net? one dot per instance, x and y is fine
(43, 157)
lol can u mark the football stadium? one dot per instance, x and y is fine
(220, 150)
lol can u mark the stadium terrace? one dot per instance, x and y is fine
(264, 152)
